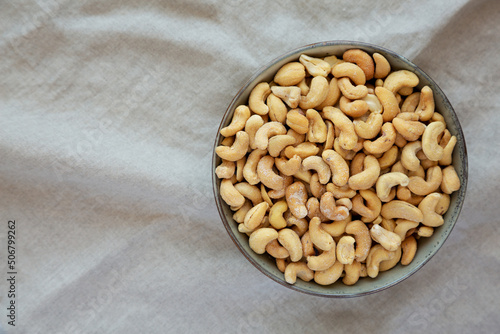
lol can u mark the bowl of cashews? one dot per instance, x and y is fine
(339, 169)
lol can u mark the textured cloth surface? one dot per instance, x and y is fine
(109, 110)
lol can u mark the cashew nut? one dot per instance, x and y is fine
(384, 142)
(338, 167)
(401, 209)
(333, 94)
(288, 94)
(410, 130)
(297, 121)
(315, 66)
(389, 103)
(317, 189)
(447, 152)
(347, 138)
(307, 245)
(257, 98)
(303, 150)
(376, 255)
(249, 191)
(225, 170)
(392, 262)
(300, 270)
(276, 215)
(389, 158)
(239, 215)
(299, 226)
(251, 127)
(350, 91)
(403, 226)
(409, 158)
(266, 174)
(352, 273)
(291, 241)
(288, 167)
(250, 168)
(425, 108)
(410, 103)
(428, 208)
(317, 127)
(240, 117)
(370, 127)
(451, 181)
(430, 145)
(373, 103)
(399, 79)
(367, 178)
(351, 71)
(362, 59)
(317, 93)
(329, 208)
(277, 109)
(230, 195)
(382, 66)
(371, 210)
(237, 150)
(278, 143)
(320, 166)
(422, 187)
(355, 108)
(389, 240)
(290, 74)
(319, 237)
(323, 261)
(260, 238)
(345, 250)
(254, 217)
(266, 131)
(362, 237)
(387, 181)
(277, 251)
(296, 198)
(425, 231)
(409, 247)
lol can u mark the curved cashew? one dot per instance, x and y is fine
(330, 275)
(437, 117)
(250, 168)
(362, 59)
(288, 167)
(392, 262)
(338, 167)
(357, 163)
(251, 127)
(266, 131)
(291, 241)
(329, 208)
(433, 151)
(320, 166)
(351, 71)
(299, 138)
(307, 245)
(249, 191)
(277, 109)
(389, 103)
(299, 226)
(230, 195)
(384, 142)
(409, 247)
(410, 130)
(237, 150)
(403, 226)
(333, 95)
(388, 224)
(422, 187)
(315, 66)
(290, 74)
(317, 93)
(443, 204)
(382, 66)
(288, 94)
(425, 231)
(352, 273)
(317, 127)
(240, 117)
(239, 215)
(401, 209)
(347, 138)
(225, 170)
(260, 238)
(425, 108)
(239, 168)
(297, 121)
(369, 128)
(278, 143)
(389, 240)
(428, 207)
(255, 216)
(323, 261)
(266, 174)
(355, 108)
(451, 181)
(303, 150)
(409, 158)
(317, 189)
(279, 193)
(296, 198)
(362, 237)
(367, 178)
(303, 175)
(388, 159)
(257, 98)
(340, 192)
(281, 264)
(304, 86)
(374, 104)
(337, 228)
(345, 250)
(300, 270)
(350, 91)
(276, 215)
(399, 79)
(371, 210)
(387, 181)
(319, 237)
(277, 251)
(375, 257)
(410, 103)
(447, 152)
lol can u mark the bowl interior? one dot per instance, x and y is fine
(427, 247)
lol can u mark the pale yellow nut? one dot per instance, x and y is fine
(265, 196)
(448, 151)
(320, 166)
(399, 79)
(230, 195)
(356, 108)
(281, 264)
(410, 130)
(428, 208)
(260, 238)
(430, 144)
(319, 237)
(376, 255)
(389, 180)
(425, 108)
(255, 215)
(299, 138)
(369, 128)
(389, 240)
(388, 224)
(266, 174)
(401, 209)
(336, 228)
(318, 92)
(323, 261)
(333, 95)
(330, 275)
(409, 247)
(350, 91)
(405, 91)
(338, 166)
(382, 66)
(228, 141)
(280, 193)
(266, 131)
(302, 150)
(278, 143)
(307, 245)
(290, 74)
(288, 167)
(304, 86)
(392, 262)
(257, 98)
(290, 95)
(251, 127)
(443, 204)
(249, 191)
(409, 158)
(369, 211)
(368, 177)
(276, 215)
(315, 66)
(345, 250)
(240, 164)
(291, 241)
(296, 198)
(400, 141)
(277, 251)
(384, 142)
(277, 109)
(313, 209)
(330, 210)
(422, 187)
(317, 127)
(352, 273)
(425, 231)
(403, 226)
(333, 60)
(297, 121)
(362, 59)
(357, 163)
(237, 150)
(240, 117)
(347, 138)
(250, 168)
(239, 215)
(362, 237)
(303, 175)
(340, 191)
(351, 71)
(330, 135)
(300, 270)
(299, 225)
(451, 181)
(389, 103)
(225, 170)
(437, 117)
(389, 158)
(374, 104)
(410, 103)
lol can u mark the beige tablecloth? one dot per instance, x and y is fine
(109, 110)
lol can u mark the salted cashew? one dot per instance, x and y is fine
(290, 74)
(340, 191)
(387, 181)
(320, 166)
(370, 127)
(317, 127)
(257, 98)
(371, 210)
(376, 255)
(399, 79)
(303, 175)
(351, 71)
(410, 103)
(422, 187)
(347, 138)
(277, 251)
(281, 264)
(319, 237)
(425, 231)
(362, 237)
(240, 164)
(356, 108)
(323, 261)
(315, 66)
(333, 95)
(451, 181)
(318, 90)
(389, 158)
(276, 212)
(392, 262)
(345, 250)
(409, 158)
(384, 142)
(260, 238)
(302, 150)
(278, 143)
(249, 191)
(330, 275)
(266, 131)
(299, 138)
(251, 127)
(437, 117)
(401, 209)
(313, 209)
(367, 178)
(300, 270)
(374, 104)
(382, 66)
(425, 108)
(266, 174)
(409, 248)
(400, 141)
(277, 109)
(349, 90)
(296, 198)
(291, 241)
(338, 167)
(352, 273)
(389, 240)
(388, 224)
(237, 150)
(410, 130)
(225, 170)
(428, 208)
(255, 216)
(304, 85)
(403, 226)
(443, 205)
(239, 215)
(265, 195)
(389, 103)
(299, 226)
(317, 189)
(307, 245)
(336, 228)
(430, 145)
(240, 117)
(333, 60)
(230, 195)
(288, 167)
(329, 208)
(288, 94)
(250, 168)
(362, 59)
(297, 121)
(447, 152)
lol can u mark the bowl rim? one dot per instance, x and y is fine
(297, 51)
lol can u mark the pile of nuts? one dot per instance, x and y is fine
(337, 167)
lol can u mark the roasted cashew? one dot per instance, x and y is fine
(255, 215)
(333, 60)
(260, 238)
(389, 240)
(340, 191)
(250, 168)
(376, 255)
(281, 264)
(320, 166)
(384, 142)
(347, 138)
(257, 98)
(409, 248)
(266, 174)
(382, 66)
(288, 94)
(329, 208)
(425, 108)
(333, 95)
(422, 187)
(291, 241)
(447, 152)
(251, 127)
(362, 59)
(430, 145)
(240, 164)
(330, 275)
(367, 178)
(399, 79)
(409, 158)
(323, 261)
(371, 210)
(425, 231)
(304, 85)
(300, 270)
(428, 208)
(249, 191)
(388, 224)
(337, 228)
(389, 158)
(313, 209)
(288, 167)
(290, 74)
(374, 104)
(410, 103)
(299, 138)
(338, 167)
(277, 109)
(307, 245)
(344, 202)
(318, 90)
(303, 175)
(389, 103)
(410, 130)
(443, 205)
(315, 66)
(362, 237)
(278, 143)
(265, 196)
(300, 226)
(350, 91)
(317, 127)
(370, 127)
(225, 170)
(351, 71)
(387, 181)
(319, 237)
(237, 150)
(230, 195)
(403, 226)
(266, 131)
(355, 108)
(297, 121)
(277, 251)
(276, 215)
(401, 209)
(303, 150)
(392, 262)
(352, 273)
(239, 215)
(240, 117)
(345, 250)
(317, 189)
(451, 181)
(296, 198)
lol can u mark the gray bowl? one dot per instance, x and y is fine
(427, 247)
